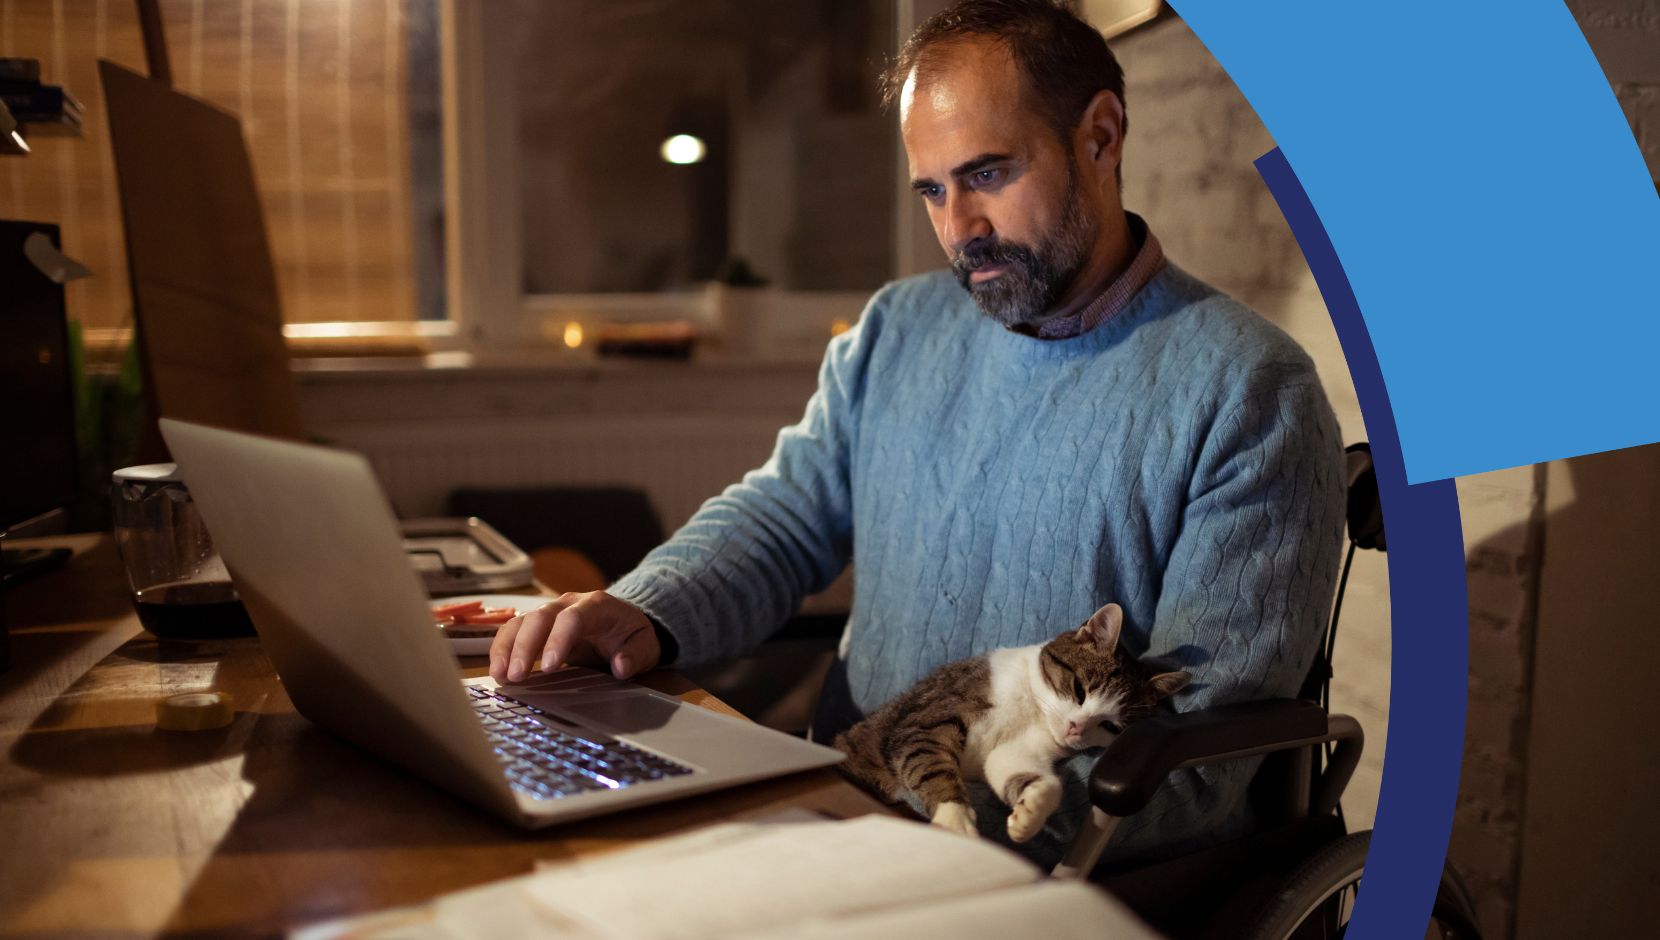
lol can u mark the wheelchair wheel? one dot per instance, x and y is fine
(1319, 896)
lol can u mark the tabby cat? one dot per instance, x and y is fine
(1006, 718)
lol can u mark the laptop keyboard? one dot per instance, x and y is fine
(547, 763)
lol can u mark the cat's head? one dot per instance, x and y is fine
(1091, 689)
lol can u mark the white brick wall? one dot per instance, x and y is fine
(1502, 536)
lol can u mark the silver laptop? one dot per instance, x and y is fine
(317, 555)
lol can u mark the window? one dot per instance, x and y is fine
(339, 104)
(564, 208)
(499, 164)
(784, 161)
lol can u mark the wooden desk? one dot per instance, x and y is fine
(108, 824)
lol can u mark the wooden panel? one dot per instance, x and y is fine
(205, 295)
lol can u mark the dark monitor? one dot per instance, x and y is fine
(38, 463)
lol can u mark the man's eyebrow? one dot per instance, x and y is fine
(978, 163)
(963, 169)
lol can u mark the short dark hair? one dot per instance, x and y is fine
(1065, 61)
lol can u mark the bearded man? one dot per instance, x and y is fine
(1065, 418)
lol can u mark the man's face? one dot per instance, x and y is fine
(1000, 185)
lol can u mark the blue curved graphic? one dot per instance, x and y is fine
(1429, 611)
(1474, 171)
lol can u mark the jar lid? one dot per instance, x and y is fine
(148, 473)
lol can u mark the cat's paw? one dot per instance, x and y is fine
(957, 817)
(1031, 811)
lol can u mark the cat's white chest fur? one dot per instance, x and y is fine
(1046, 702)
(1015, 715)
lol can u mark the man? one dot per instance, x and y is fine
(1063, 419)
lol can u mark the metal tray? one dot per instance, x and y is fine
(464, 556)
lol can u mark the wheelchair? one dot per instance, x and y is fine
(1299, 873)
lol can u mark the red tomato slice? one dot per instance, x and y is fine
(495, 615)
(456, 610)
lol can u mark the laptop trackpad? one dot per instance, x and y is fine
(585, 697)
(619, 713)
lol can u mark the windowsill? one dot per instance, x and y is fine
(386, 349)
(797, 325)
(502, 364)
(308, 341)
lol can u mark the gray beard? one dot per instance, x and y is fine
(1034, 281)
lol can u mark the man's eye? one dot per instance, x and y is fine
(987, 177)
(931, 193)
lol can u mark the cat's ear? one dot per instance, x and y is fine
(1103, 628)
(1167, 684)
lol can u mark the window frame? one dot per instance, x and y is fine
(483, 237)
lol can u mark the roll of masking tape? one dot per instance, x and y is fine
(194, 711)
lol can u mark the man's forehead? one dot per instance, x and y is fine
(976, 73)
(961, 101)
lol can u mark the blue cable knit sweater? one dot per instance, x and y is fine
(995, 489)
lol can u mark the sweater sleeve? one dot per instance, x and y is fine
(742, 564)
(1247, 589)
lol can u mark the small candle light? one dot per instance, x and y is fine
(839, 325)
(573, 335)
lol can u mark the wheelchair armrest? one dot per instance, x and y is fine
(1135, 764)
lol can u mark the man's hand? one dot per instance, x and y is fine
(592, 629)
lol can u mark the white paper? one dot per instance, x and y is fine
(773, 877)
(1053, 910)
(497, 909)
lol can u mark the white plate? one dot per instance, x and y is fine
(480, 646)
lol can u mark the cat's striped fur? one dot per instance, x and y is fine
(1005, 718)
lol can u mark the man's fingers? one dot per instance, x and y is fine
(637, 652)
(572, 629)
(532, 634)
(502, 646)
(585, 629)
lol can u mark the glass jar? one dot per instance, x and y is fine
(180, 586)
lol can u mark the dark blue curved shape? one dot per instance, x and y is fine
(1429, 617)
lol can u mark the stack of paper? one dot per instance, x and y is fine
(869, 877)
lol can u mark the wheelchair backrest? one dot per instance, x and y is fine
(1283, 786)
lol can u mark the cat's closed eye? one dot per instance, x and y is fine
(1113, 726)
(1078, 689)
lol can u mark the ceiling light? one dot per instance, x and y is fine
(683, 149)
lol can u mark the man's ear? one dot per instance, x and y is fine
(1103, 628)
(1101, 134)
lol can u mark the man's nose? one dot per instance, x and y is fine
(963, 223)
